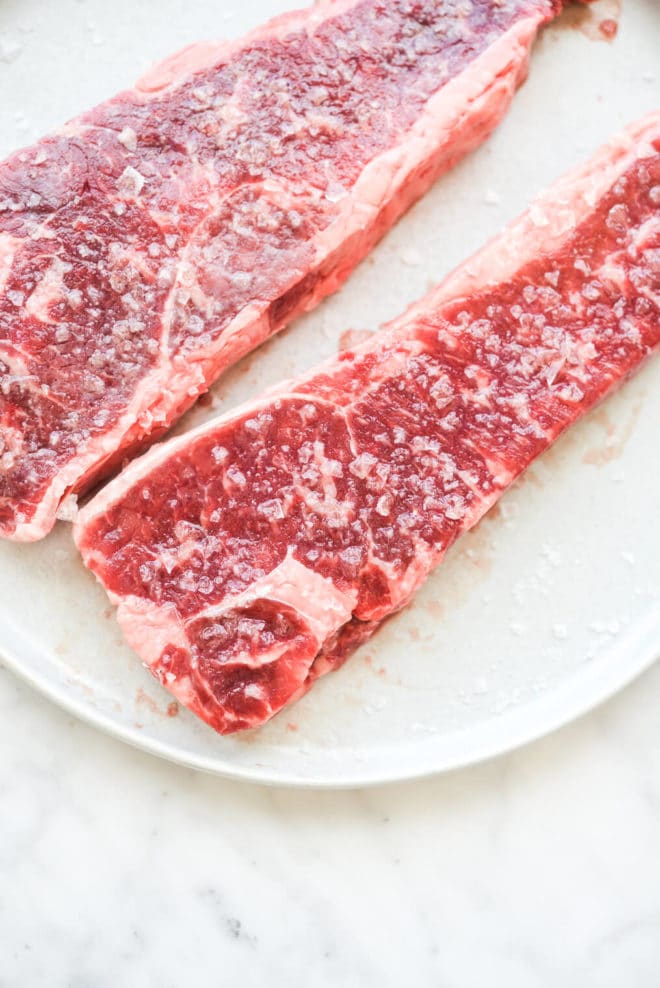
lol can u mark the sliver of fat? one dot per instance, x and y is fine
(8, 247)
(50, 289)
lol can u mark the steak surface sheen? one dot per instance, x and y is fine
(253, 555)
(161, 236)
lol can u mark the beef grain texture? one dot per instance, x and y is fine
(251, 556)
(158, 238)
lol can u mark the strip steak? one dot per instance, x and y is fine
(161, 236)
(254, 554)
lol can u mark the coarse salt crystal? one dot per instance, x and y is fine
(219, 454)
(362, 465)
(128, 138)
(384, 506)
(272, 509)
(236, 476)
(130, 183)
(352, 555)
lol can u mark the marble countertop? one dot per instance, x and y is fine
(535, 870)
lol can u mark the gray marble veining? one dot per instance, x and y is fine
(536, 870)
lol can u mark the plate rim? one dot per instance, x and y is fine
(596, 681)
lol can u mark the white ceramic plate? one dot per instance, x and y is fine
(550, 606)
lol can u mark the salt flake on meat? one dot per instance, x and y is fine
(130, 183)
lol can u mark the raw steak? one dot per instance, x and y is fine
(252, 555)
(162, 235)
